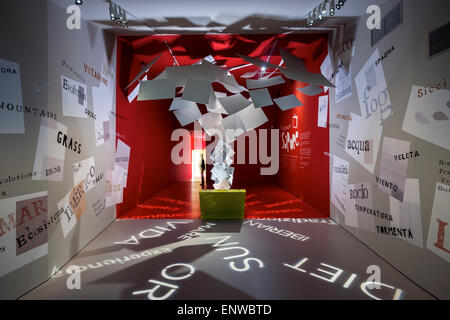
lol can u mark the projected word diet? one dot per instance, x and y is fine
(331, 274)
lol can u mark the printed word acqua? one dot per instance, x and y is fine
(358, 145)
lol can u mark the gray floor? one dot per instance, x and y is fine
(250, 259)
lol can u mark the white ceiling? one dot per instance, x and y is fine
(230, 16)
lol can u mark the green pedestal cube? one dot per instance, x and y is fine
(222, 204)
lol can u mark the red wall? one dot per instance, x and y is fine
(145, 126)
(310, 183)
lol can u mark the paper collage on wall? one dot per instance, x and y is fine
(373, 94)
(51, 151)
(74, 98)
(23, 230)
(11, 119)
(428, 115)
(363, 141)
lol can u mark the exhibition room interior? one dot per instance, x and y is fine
(243, 150)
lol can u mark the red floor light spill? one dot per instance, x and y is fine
(266, 201)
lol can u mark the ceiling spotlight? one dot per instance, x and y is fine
(340, 4)
(112, 11)
(332, 5)
(122, 16)
(318, 13)
(79, 2)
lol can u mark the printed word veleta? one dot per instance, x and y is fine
(406, 156)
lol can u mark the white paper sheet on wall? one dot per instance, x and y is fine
(360, 203)
(339, 185)
(84, 171)
(102, 99)
(322, 112)
(407, 214)
(363, 141)
(123, 158)
(72, 208)
(393, 168)
(114, 186)
(50, 154)
(74, 98)
(373, 94)
(343, 85)
(11, 121)
(19, 250)
(438, 234)
(326, 68)
(428, 116)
